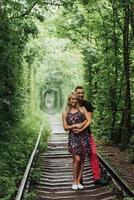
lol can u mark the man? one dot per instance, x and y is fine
(93, 159)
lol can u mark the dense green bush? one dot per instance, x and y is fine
(15, 152)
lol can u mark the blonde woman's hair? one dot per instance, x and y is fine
(68, 106)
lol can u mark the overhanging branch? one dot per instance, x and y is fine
(45, 3)
(26, 12)
(58, 4)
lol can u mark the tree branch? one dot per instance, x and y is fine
(46, 3)
(58, 4)
(25, 13)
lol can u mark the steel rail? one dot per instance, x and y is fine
(116, 177)
(22, 185)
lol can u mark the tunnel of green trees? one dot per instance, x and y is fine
(47, 48)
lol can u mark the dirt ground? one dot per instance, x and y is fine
(119, 161)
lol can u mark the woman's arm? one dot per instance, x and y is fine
(65, 124)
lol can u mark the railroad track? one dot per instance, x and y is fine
(56, 179)
(56, 174)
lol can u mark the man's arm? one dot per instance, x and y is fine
(88, 120)
(90, 114)
(83, 123)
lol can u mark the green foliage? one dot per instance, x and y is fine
(45, 135)
(31, 196)
(35, 175)
(60, 61)
(16, 151)
(81, 36)
(131, 150)
(97, 29)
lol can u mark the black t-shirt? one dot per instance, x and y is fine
(88, 107)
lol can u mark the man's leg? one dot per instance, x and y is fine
(93, 159)
(95, 164)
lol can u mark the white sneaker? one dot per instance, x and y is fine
(80, 186)
(74, 187)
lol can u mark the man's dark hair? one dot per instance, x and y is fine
(79, 87)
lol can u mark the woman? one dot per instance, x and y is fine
(76, 120)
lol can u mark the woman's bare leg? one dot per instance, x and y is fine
(81, 170)
(76, 168)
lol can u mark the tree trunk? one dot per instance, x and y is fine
(132, 17)
(126, 128)
(114, 86)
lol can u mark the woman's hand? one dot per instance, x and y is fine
(78, 126)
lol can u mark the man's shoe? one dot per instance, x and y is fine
(80, 186)
(74, 187)
(100, 182)
(107, 178)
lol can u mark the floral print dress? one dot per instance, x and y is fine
(78, 143)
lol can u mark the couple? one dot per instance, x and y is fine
(76, 119)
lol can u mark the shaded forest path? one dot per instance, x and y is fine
(56, 176)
